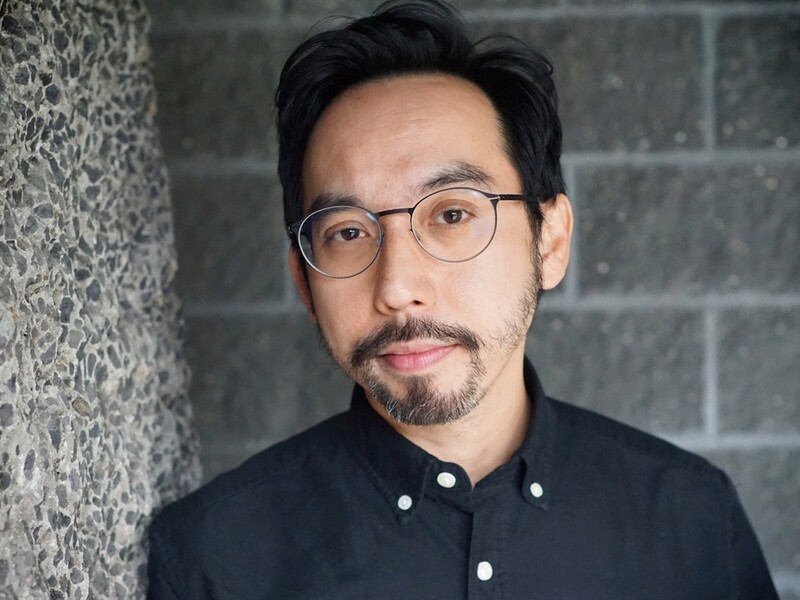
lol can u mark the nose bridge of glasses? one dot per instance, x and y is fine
(396, 211)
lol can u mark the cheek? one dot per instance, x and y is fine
(340, 316)
(498, 277)
(477, 297)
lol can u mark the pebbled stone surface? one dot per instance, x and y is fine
(94, 417)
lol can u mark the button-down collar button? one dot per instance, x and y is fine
(446, 480)
(404, 502)
(485, 570)
(536, 490)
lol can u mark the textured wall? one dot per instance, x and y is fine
(93, 406)
(681, 311)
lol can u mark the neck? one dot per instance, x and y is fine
(487, 437)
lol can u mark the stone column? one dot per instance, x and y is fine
(94, 417)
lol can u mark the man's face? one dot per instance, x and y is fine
(426, 339)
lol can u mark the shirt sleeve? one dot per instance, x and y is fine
(161, 584)
(751, 576)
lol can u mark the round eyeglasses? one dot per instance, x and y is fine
(452, 225)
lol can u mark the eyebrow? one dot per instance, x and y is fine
(325, 199)
(455, 174)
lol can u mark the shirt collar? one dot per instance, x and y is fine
(537, 447)
(402, 471)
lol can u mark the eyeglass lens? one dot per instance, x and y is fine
(453, 225)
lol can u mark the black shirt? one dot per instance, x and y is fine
(587, 509)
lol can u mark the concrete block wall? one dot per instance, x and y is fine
(681, 311)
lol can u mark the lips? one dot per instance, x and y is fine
(413, 345)
(413, 359)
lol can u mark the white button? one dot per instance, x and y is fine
(485, 570)
(536, 490)
(446, 480)
(404, 502)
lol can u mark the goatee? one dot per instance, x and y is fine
(421, 404)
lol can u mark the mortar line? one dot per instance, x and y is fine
(248, 445)
(283, 21)
(572, 289)
(688, 9)
(787, 581)
(702, 441)
(711, 372)
(240, 309)
(283, 10)
(620, 302)
(689, 158)
(610, 303)
(220, 167)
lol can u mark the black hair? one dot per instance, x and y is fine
(422, 37)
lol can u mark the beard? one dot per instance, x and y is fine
(421, 403)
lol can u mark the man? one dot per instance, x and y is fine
(426, 207)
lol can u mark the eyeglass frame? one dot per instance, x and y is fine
(294, 229)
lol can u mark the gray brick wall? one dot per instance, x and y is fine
(681, 310)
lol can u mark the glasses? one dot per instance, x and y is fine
(452, 225)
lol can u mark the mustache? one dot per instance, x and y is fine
(374, 344)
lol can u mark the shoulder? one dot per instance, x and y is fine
(643, 479)
(611, 440)
(266, 477)
(243, 530)
(646, 486)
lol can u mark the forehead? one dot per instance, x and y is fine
(421, 94)
(389, 135)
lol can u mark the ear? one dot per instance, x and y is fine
(300, 277)
(554, 241)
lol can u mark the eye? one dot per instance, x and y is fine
(451, 209)
(346, 234)
(341, 227)
(452, 216)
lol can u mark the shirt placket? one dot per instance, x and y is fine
(486, 570)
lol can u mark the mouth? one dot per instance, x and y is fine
(411, 347)
(415, 358)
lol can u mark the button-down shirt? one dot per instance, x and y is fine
(587, 509)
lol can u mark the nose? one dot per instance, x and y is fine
(404, 272)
